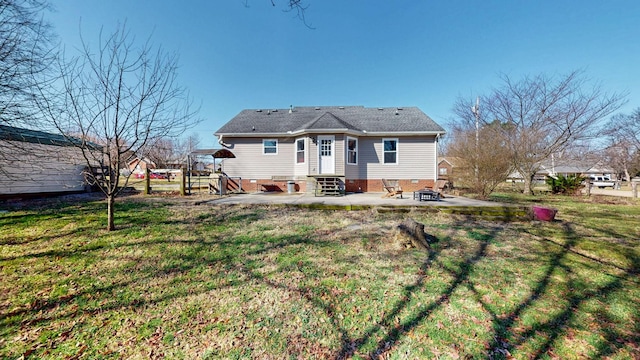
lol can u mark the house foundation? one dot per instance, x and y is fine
(349, 185)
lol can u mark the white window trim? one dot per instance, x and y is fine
(263, 147)
(356, 150)
(295, 153)
(397, 151)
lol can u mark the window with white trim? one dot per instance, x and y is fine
(270, 147)
(352, 151)
(300, 151)
(390, 151)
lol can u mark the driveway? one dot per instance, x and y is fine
(610, 192)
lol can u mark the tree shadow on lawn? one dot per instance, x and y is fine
(576, 298)
(507, 332)
(421, 314)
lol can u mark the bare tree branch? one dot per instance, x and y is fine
(26, 53)
(547, 115)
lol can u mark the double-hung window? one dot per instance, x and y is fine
(390, 151)
(300, 151)
(352, 151)
(270, 147)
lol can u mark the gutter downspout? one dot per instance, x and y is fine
(222, 142)
(436, 171)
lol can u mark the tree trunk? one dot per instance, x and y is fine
(527, 184)
(410, 232)
(110, 211)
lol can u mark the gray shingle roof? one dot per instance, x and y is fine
(332, 119)
(40, 137)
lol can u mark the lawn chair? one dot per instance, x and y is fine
(392, 187)
(439, 187)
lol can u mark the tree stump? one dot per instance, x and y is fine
(410, 233)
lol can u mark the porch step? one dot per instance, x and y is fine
(329, 185)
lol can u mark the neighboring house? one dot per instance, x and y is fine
(39, 163)
(354, 145)
(447, 168)
(140, 165)
(566, 167)
(569, 167)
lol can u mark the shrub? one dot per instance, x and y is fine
(566, 185)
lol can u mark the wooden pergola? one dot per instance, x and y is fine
(215, 153)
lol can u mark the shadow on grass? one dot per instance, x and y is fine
(507, 334)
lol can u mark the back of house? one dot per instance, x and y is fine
(354, 146)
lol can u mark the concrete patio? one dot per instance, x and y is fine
(359, 199)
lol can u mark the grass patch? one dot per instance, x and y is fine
(241, 282)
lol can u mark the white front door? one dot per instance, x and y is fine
(326, 154)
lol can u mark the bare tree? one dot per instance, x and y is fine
(124, 95)
(483, 158)
(546, 115)
(623, 152)
(184, 147)
(625, 127)
(161, 152)
(26, 53)
(623, 158)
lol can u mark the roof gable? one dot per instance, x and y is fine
(326, 121)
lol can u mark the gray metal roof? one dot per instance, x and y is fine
(331, 119)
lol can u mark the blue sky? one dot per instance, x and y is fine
(239, 54)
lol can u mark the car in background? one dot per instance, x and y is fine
(157, 176)
(602, 181)
(152, 175)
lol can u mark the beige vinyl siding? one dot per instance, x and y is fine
(416, 157)
(313, 156)
(339, 153)
(27, 168)
(251, 163)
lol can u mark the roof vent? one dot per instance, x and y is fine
(259, 110)
(269, 112)
(275, 110)
(397, 112)
(380, 109)
(290, 109)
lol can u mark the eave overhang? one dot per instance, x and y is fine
(332, 131)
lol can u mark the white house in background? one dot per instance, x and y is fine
(39, 163)
(353, 145)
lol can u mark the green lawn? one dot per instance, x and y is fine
(178, 281)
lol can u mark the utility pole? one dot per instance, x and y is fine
(476, 112)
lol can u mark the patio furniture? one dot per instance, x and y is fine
(440, 186)
(392, 187)
(426, 195)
